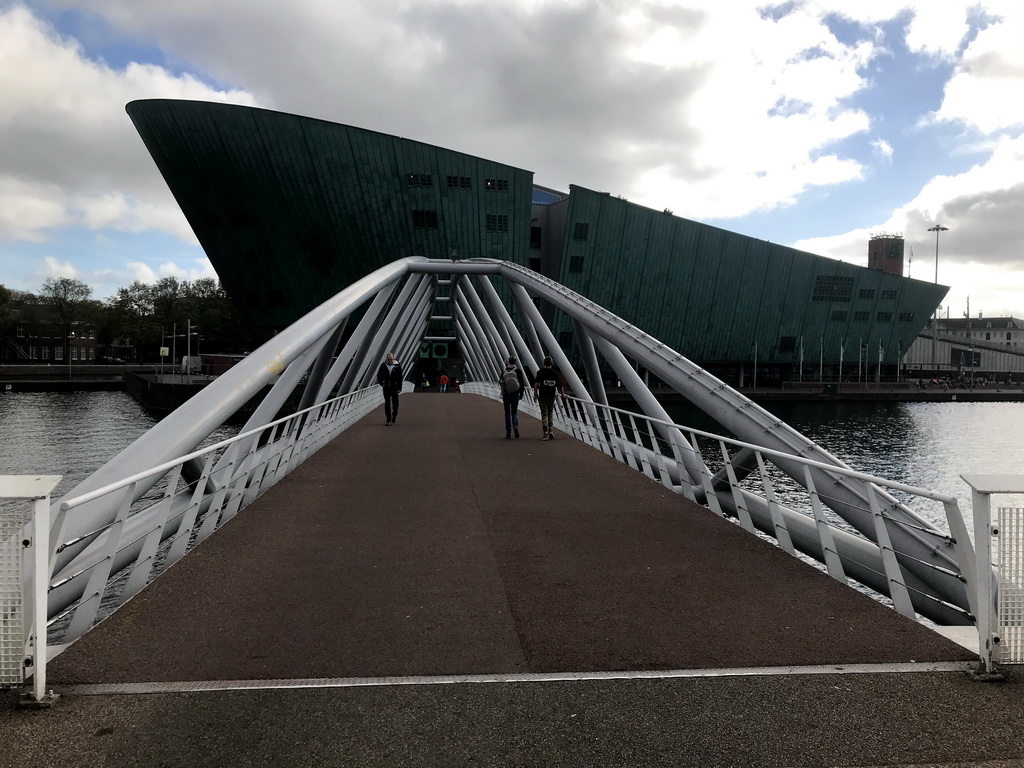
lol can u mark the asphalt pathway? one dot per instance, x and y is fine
(437, 548)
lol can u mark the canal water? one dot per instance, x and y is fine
(923, 444)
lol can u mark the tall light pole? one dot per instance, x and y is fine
(935, 315)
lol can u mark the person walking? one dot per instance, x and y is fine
(545, 386)
(389, 376)
(443, 382)
(511, 383)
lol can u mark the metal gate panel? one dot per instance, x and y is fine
(1009, 544)
(13, 519)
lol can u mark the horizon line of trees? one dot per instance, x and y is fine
(139, 315)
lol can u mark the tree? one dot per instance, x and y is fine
(68, 299)
(6, 300)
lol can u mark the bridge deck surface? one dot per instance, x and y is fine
(435, 547)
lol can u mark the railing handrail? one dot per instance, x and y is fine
(69, 504)
(865, 476)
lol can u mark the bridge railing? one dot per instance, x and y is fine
(98, 571)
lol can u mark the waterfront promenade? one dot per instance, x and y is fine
(328, 623)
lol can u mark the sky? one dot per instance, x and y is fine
(811, 124)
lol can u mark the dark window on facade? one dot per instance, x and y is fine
(988, 337)
(424, 219)
(787, 343)
(496, 185)
(459, 182)
(861, 317)
(906, 317)
(420, 180)
(496, 222)
(19, 331)
(839, 315)
(1007, 335)
(832, 288)
(579, 232)
(889, 295)
(576, 264)
(535, 237)
(884, 317)
(866, 293)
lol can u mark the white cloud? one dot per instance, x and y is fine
(882, 149)
(144, 273)
(53, 268)
(69, 155)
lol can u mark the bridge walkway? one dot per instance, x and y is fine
(437, 548)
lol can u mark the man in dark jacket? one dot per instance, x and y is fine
(389, 376)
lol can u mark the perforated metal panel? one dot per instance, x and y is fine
(13, 517)
(1009, 544)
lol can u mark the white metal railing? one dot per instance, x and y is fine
(24, 560)
(149, 534)
(742, 481)
(999, 539)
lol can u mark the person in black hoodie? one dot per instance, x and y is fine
(511, 383)
(389, 376)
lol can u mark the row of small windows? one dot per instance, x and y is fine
(841, 316)
(836, 288)
(493, 222)
(422, 180)
(57, 352)
(988, 335)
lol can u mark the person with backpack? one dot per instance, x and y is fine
(545, 386)
(511, 383)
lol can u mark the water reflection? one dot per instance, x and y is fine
(70, 433)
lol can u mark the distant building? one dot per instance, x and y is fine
(885, 253)
(290, 210)
(34, 337)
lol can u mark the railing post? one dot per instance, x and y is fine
(982, 489)
(25, 561)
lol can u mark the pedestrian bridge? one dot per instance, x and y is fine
(436, 548)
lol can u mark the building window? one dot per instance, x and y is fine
(832, 288)
(535, 237)
(20, 331)
(424, 219)
(787, 343)
(459, 182)
(33, 352)
(988, 325)
(866, 293)
(74, 352)
(420, 179)
(579, 232)
(58, 353)
(906, 317)
(496, 185)
(575, 264)
(496, 222)
(839, 315)
(889, 295)
(884, 317)
(861, 317)
(1007, 335)
(988, 337)
(46, 353)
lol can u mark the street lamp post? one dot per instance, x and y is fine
(935, 315)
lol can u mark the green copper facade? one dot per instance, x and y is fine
(713, 294)
(291, 209)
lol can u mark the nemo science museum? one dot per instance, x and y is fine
(290, 210)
